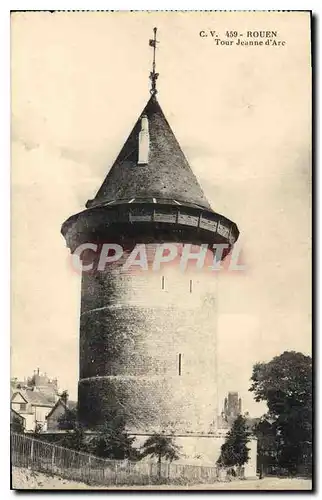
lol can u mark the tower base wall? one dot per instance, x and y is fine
(148, 349)
(204, 450)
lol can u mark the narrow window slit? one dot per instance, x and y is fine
(162, 283)
(190, 286)
(179, 367)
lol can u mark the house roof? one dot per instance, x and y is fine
(16, 414)
(166, 176)
(71, 405)
(21, 392)
(36, 398)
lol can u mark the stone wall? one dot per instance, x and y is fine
(205, 450)
(148, 349)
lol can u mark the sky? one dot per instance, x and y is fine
(242, 116)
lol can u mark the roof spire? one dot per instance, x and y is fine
(153, 75)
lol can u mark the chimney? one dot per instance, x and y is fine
(37, 371)
(144, 141)
(64, 397)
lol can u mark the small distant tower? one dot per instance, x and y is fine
(232, 406)
(147, 340)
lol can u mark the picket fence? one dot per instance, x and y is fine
(45, 457)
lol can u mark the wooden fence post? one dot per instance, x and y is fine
(115, 482)
(89, 468)
(31, 452)
(53, 459)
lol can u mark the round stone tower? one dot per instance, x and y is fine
(147, 325)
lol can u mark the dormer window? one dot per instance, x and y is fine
(144, 141)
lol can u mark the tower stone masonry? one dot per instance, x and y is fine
(147, 337)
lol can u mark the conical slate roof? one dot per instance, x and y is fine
(167, 175)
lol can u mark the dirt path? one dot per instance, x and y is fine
(27, 479)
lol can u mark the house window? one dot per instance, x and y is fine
(23, 406)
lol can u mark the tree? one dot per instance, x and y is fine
(76, 439)
(285, 383)
(161, 447)
(234, 451)
(37, 432)
(38, 428)
(113, 441)
(68, 420)
(267, 444)
(16, 425)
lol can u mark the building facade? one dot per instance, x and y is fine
(33, 406)
(61, 416)
(33, 399)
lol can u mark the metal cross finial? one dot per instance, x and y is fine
(153, 74)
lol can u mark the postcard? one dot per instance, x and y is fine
(161, 250)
